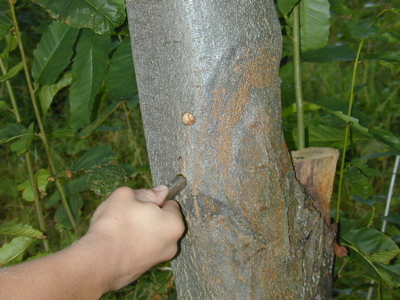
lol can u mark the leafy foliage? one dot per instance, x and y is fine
(85, 87)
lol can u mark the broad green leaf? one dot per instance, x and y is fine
(369, 201)
(53, 53)
(11, 250)
(102, 16)
(386, 138)
(286, 6)
(359, 183)
(21, 230)
(393, 218)
(94, 158)
(12, 72)
(24, 142)
(48, 92)
(121, 79)
(75, 204)
(390, 56)
(292, 109)
(359, 120)
(5, 24)
(10, 131)
(362, 29)
(340, 9)
(3, 106)
(391, 37)
(88, 72)
(11, 44)
(105, 180)
(329, 54)
(328, 136)
(41, 180)
(385, 256)
(314, 24)
(370, 248)
(85, 132)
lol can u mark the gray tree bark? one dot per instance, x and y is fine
(251, 233)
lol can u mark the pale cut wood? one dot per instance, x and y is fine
(315, 169)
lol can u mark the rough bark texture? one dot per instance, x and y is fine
(251, 234)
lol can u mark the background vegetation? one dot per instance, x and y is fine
(71, 132)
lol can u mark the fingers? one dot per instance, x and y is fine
(156, 195)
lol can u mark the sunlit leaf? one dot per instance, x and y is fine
(21, 230)
(88, 72)
(102, 16)
(314, 24)
(121, 79)
(12, 72)
(41, 181)
(11, 250)
(52, 54)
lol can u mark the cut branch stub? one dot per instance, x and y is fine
(315, 170)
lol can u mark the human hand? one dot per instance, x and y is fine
(136, 233)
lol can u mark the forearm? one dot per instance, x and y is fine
(79, 272)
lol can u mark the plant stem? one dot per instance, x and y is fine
(297, 78)
(348, 127)
(28, 161)
(42, 133)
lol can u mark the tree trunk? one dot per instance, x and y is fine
(207, 74)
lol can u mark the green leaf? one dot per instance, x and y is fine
(359, 120)
(61, 216)
(314, 24)
(41, 180)
(53, 52)
(329, 54)
(390, 56)
(286, 6)
(21, 230)
(328, 136)
(11, 250)
(5, 24)
(362, 29)
(385, 256)
(4, 106)
(292, 109)
(88, 72)
(24, 142)
(10, 131)
(359, 182)
(105, 180)
(121, 79)
(94, 158)
(85, 132)
(12, 72)
(341, 10)
(373, 249)
(385, 137)
(102, 16)
(393, 218)
(48, 92)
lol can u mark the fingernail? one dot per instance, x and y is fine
(160, 188)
